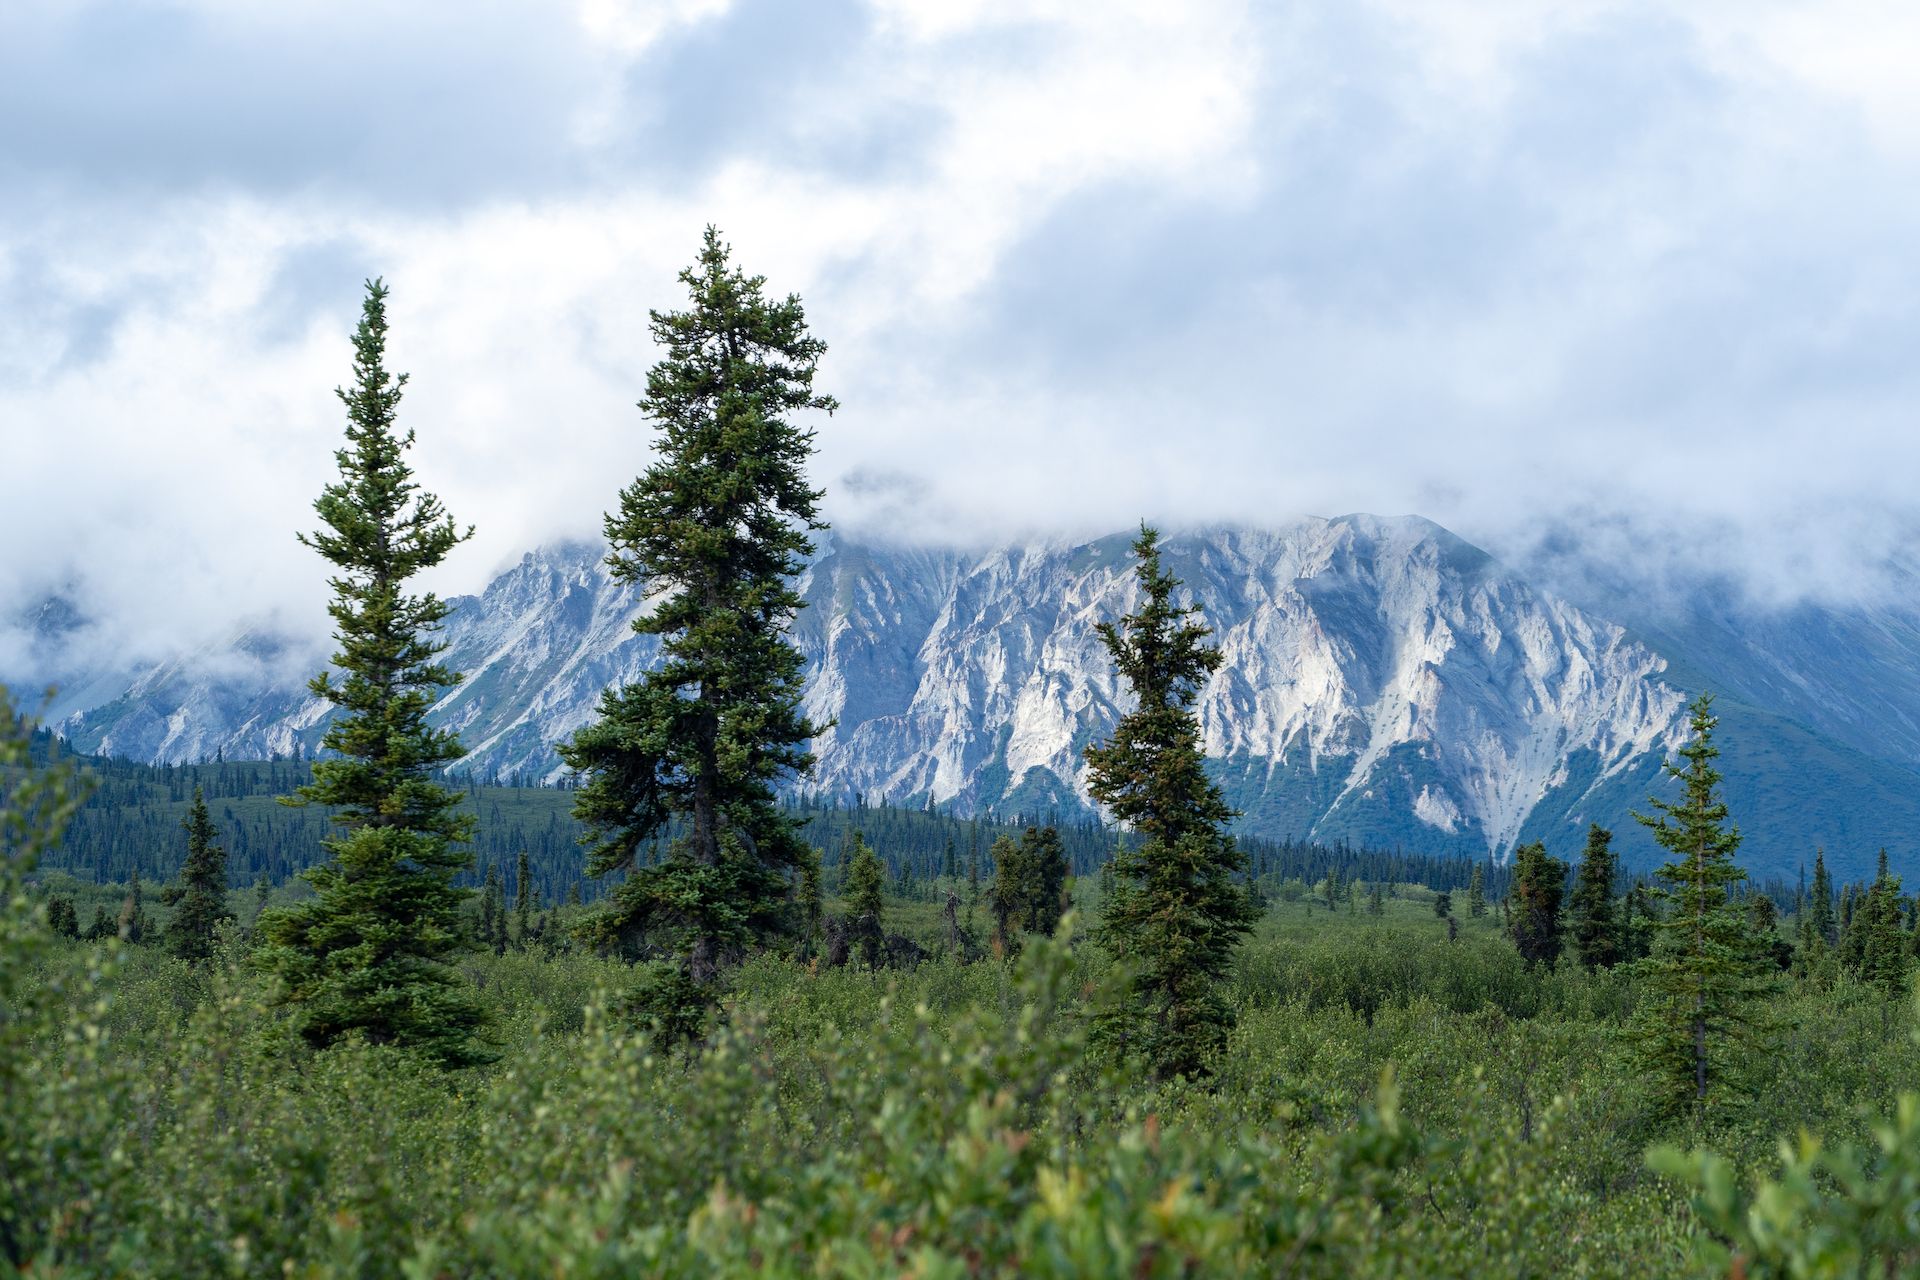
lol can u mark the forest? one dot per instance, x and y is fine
(361, 1016)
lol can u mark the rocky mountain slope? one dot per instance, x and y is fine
(1385, 682)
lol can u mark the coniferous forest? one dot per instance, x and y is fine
(369, 1015)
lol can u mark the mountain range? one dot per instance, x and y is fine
(1384, 682)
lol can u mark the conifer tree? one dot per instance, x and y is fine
(62, 918)
(810, 901)
(1029, 884)
(1443, 904)
(1476, 894)
(717, 529)
(200, 899)
(1003, 895)
(369, 954)
(1175, 913)
(1376, 905)
(1595, 924)
(1820, 905)
(1883, 943)
(1539, 883)
(866, 878)
(1700, 1021)
(102, 926)
(134, 925)
(493, 910)
(522, 896)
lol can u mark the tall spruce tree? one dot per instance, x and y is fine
(522, 896)
(1820, 905)
(200, 898)
(1539, 884)
(1595, 922)
(718, 529)
(1476, 894)
(369, 954)
(866, 905)
(809, 902)
(1884, 959)
(1175, 913)
(1700, 1021)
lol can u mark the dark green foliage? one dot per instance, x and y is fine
(1539, 884)
(369, 954)
(199, 900)
(1595, 924)
(524, 897)
(1175, 912)
(663, 1000)
(717, 527)
(101, 927)
(61, 917)
(135, 925)
(1029, 884)
(1443, 904)
(1700, 1025)
(810, 902)
(866, 909)
(493, 910)
(1885, 955)
(1476, 895)
(1820, 917)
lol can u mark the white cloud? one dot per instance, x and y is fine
(1493, 261)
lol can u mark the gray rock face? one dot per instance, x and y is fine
(1382, 679)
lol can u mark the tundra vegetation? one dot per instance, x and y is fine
(748, 1033)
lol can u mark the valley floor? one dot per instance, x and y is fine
(1392, 1103)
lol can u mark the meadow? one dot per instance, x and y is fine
(1391, 1102)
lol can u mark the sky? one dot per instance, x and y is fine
(1642, 273)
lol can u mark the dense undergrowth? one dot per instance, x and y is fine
(1391, 1103)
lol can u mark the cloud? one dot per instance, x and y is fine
(1520, 267)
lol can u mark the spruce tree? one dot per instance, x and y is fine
(866, 921)
(1539, 883)
(1476, 894)
(1029, 884)
(1175, 913)
(1700, 1020)
(1884, 958)
(1004, 894)
(369, 954)
(716, 531)
(200, 898)
(1443, 904)
(134, 925)
(1595, 924)
(522, 897)
(102, 926)
(1820, 905)
(62, 918)
(810, 901)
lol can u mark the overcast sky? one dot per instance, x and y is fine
(1499, 262)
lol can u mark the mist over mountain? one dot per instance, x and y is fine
(1385, 682)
